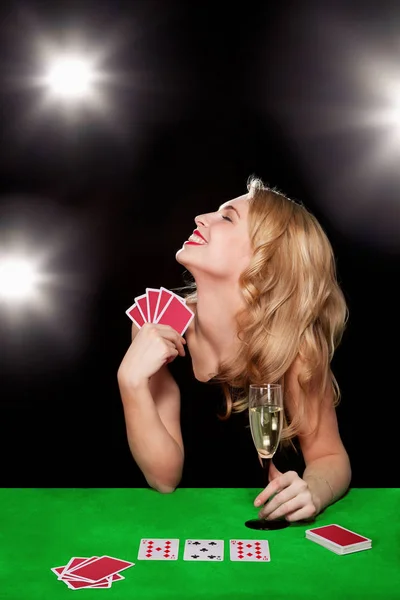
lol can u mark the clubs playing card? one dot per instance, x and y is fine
(249, 550)
(338, 539)
(208, 550)
(158, 549)
(176, 314)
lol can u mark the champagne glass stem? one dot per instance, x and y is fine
(265, 463)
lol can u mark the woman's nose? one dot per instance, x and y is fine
(201, 220)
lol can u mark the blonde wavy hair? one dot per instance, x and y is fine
(294, 305)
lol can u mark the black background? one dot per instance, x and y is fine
(203, 96)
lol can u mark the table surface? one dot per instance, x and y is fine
(42, 528)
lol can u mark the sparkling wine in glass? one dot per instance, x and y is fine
(266, 420)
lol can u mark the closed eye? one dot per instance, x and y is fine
(227, 218)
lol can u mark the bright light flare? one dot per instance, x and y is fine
(71, 77)
(18, 279)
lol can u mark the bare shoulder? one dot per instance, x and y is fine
(293, 375)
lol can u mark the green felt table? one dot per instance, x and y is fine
(44, 528)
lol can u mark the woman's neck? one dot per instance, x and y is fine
(212, 338)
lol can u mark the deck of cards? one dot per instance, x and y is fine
(159, 305)
(95, 572)
(338, 539)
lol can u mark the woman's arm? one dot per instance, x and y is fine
(328, 470)
(152, 417)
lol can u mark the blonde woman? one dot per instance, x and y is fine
(268, 307)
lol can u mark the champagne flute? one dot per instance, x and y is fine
(266, 419)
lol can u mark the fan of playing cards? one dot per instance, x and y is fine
(159, 305)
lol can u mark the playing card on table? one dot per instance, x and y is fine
(79, 585)
(158, 549)
(100, 567)
(74, 562)
(208, 550)
(76, 583)
(249, 550)
(338, 539)
(176, 314)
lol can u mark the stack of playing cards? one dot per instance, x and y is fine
(95, 572)
(204, 550)
(338, 539)
(159, 305)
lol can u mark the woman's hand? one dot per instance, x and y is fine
(292, 497)
(152, 347)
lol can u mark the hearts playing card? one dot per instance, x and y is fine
(206, 550)
(158, 549)
(249, 550)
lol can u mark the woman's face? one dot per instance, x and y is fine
(220, 245)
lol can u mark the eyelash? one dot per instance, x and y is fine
(227, 218)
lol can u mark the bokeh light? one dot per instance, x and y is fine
(18, 279)
(71, 77)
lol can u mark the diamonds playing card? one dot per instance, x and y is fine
(158, 549)
(206, 550)
(338, 539)
(249, 550)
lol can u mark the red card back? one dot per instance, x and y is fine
(338, 535)
(177, 315)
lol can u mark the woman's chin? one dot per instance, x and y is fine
(178, 256)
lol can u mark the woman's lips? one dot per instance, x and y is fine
(196, 239)
(200, 235)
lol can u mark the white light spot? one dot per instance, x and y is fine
(70, 77)
(17, 279)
